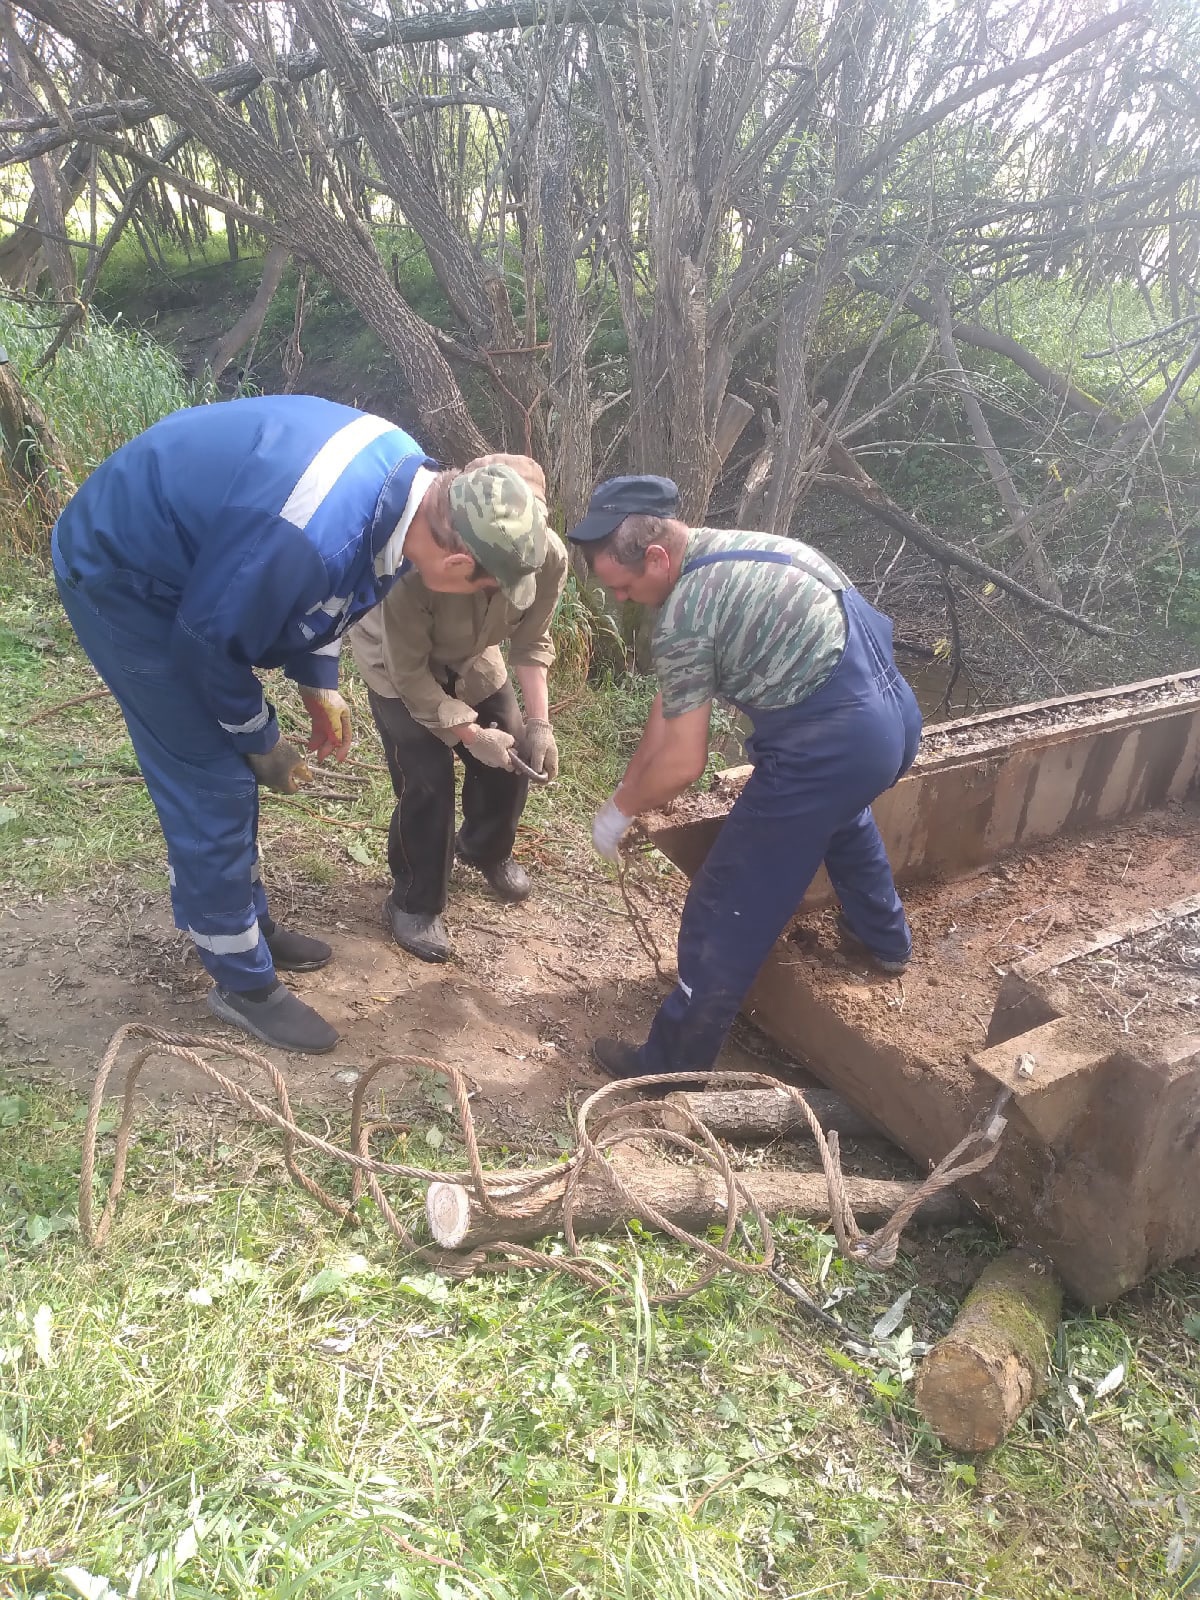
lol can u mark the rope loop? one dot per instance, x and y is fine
(500, 1192)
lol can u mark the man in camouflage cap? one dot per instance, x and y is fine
(250, 534)
(772, 627)
(439, 687)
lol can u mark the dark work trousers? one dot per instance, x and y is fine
(817, 767)
(421, 837)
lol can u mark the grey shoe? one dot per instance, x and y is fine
(422, 936)
(508, 878)
(892, 965)
(281, 1019)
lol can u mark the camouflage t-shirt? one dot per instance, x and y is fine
(757, 633)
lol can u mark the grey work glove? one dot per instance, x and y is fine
(491, 746)
(281, 768)
(537, 748)
(453, 713)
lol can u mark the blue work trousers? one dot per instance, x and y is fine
(205, 794)
(817, 767)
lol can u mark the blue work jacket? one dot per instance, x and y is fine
(259, 529)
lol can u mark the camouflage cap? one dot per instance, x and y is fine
(503, 524)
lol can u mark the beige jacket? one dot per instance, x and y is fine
(409, 645)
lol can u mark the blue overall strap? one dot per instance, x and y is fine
(777, 558)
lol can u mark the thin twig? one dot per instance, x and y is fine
(321, 816)
(754, 1461)
(422, 1555)
(64, 705)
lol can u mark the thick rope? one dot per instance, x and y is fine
(493, 1189)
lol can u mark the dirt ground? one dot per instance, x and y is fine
(517, 1008)
(531, 986)
(968, 931)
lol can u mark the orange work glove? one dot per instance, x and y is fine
(331, 723)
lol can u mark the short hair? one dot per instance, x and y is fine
(628, 542)
(441, 526)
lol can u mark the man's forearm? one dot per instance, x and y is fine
(670, 756)
(535, 691)
(651, 788)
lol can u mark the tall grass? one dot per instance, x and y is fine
(111, 384)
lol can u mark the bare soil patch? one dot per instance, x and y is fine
(517, 1007)
(967, 932)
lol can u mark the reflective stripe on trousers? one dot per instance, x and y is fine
(205, 794)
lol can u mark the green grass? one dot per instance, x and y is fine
(256, 1397)
(109, 385)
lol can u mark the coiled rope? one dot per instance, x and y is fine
(594, 1138)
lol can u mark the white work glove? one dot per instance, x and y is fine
(537, 747)
(331, 723)
(609, 827)
(491, 746)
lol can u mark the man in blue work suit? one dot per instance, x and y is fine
(772, 627)
(245, 534)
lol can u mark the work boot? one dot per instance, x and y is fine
(618, 1059)
(421, 935)
(508, 878)
(892, 965)
(294, 952)
(277, 1017)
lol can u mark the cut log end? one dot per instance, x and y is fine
(448, 1208)
(970, 1399)
(992, 1364)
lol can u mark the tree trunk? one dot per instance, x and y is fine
(569, 397)
(21, 249)
(476, 291)
(249, 324)
(992, 1365)
(760, 1114)
(1018, 514)
(56, 249)
(693, 1197)
(307, 227)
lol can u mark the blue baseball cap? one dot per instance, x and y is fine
(615, 499)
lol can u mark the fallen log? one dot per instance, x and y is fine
(750, 1114)
(992, 1365)
(692, 1197)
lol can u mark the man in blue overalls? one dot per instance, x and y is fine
(775, 629)
(249, 534)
